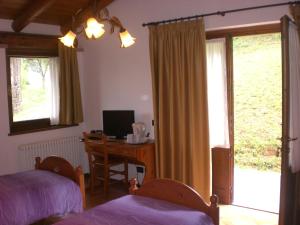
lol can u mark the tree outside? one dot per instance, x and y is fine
(30, 90)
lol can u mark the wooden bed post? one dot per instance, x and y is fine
(214, 200)
(133, 186)
(62, 167)
(80, 182)
(37, 162)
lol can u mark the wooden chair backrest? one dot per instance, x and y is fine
(96, 148)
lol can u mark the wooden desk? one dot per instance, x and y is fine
(143, 154)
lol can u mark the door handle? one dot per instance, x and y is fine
(279, 150)
(292, 139)
(289, 139)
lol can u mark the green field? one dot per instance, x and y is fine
(257, 101)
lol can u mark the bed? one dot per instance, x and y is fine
(54, 188)
(159, 202)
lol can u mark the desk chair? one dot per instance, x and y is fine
(100, 162)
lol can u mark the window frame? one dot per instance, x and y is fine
(229, 34)
(25, 125)
(244, 31)
(28, 45)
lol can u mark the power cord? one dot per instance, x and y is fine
(138, 180)
(139, 170)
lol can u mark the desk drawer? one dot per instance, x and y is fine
(123, 152)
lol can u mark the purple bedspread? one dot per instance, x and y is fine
(33, 195)
(137, 210)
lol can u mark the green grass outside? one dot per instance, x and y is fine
(257, 101)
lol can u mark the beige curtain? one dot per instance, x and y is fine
(178, 66)
(70, 96)
(217, 92)
(295, 12)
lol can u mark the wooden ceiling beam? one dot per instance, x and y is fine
(29, 13)
(83, 15)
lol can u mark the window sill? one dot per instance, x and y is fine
(54, 127)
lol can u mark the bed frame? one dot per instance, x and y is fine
(178, 193)
(64, 168)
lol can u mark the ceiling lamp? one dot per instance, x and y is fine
(68, 39)
(126, 39)
(95, 30)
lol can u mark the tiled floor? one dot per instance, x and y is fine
(116, 190)
(233, 215)
(257, 189)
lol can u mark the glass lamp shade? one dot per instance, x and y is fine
(126, 39)
(68, 39)
(94, 29)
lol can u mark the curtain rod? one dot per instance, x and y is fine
(220, 13)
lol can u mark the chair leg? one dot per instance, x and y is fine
(126, 170)
(106, 180)
(92, 180)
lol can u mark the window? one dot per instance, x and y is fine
(32, 83)
(30, 88)
(33, 88)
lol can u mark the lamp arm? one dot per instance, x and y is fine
(114, 21)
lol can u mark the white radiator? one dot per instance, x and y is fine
(69, 148)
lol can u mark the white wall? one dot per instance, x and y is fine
(120, 78)
(9, 144)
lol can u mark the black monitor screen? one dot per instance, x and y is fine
(117, 123)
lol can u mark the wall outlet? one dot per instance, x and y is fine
(140, 169)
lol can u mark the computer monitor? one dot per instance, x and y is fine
(117, 123)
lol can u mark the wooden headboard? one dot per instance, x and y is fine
(178, 193)
(62, 167)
